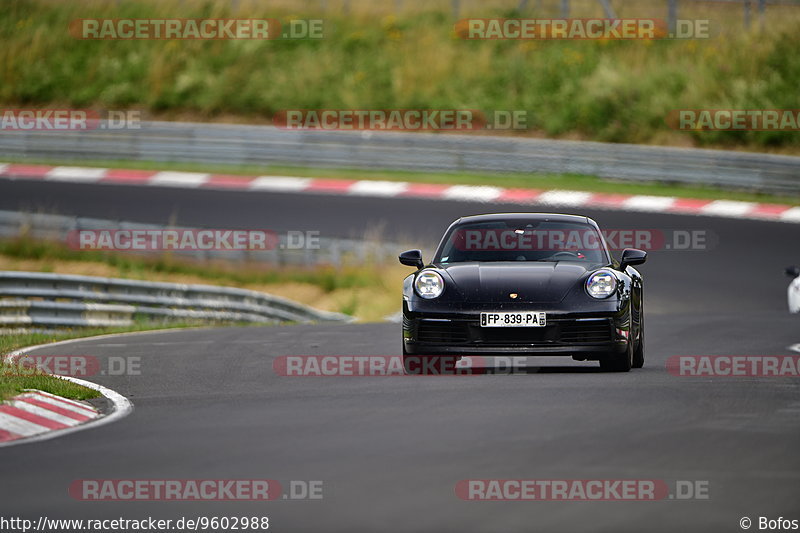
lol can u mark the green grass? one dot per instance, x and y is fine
(367, 290)
(531, 181)
(372, 58)
(327, 277)
(14, 380)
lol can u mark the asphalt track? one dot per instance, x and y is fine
(390, 450)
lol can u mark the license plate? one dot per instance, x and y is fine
(525, 319)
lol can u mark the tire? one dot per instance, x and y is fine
(406, 358)
(618, 362)
(638, 354)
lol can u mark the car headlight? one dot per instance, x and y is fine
(429, 284)
(601, 284)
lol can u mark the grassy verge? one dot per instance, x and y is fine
(50, 254)
(531, 180)
(14, 380)
(384, 55)
(367, 291)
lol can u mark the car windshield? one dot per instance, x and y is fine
(523, 240)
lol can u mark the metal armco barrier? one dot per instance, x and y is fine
(54, 300)
(331, 251)
(263, 145)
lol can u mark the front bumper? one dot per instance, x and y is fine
(582, 336)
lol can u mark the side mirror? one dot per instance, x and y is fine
(631, 257)
(793, 271)
(412, 258)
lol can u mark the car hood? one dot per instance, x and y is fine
(532, 281)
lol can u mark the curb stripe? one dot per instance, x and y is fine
(689, 205)
(79, 174)
(649, 203)
(119, 406)
(6, 436)
(522, 196)
(331, 185)
(399, 189)
(63, 411)
(425, 190)
(66, 401)
(472, 193)
(227, 182)
(279, 183)
(728, 208)
(768, 210)
(23, 404)
(609, 200)
(791, 215)
(25, 413)
(179, 179)
(378, 188)
(568, 198)
(37, 413)
(26, 171)
(130, 177)
(19, 426)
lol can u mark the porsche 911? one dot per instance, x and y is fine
(525, 284)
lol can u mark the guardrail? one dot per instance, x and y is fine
(56, 300)
(330, 251)
(264, 145)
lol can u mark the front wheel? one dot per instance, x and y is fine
(618, 362)
(638, 354)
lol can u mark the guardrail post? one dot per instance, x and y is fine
(672, 14)
(607, 9)
(747, 14)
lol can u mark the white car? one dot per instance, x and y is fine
(794, 289)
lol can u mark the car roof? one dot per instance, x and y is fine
(489, 217)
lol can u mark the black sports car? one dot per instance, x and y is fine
(524, 283)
